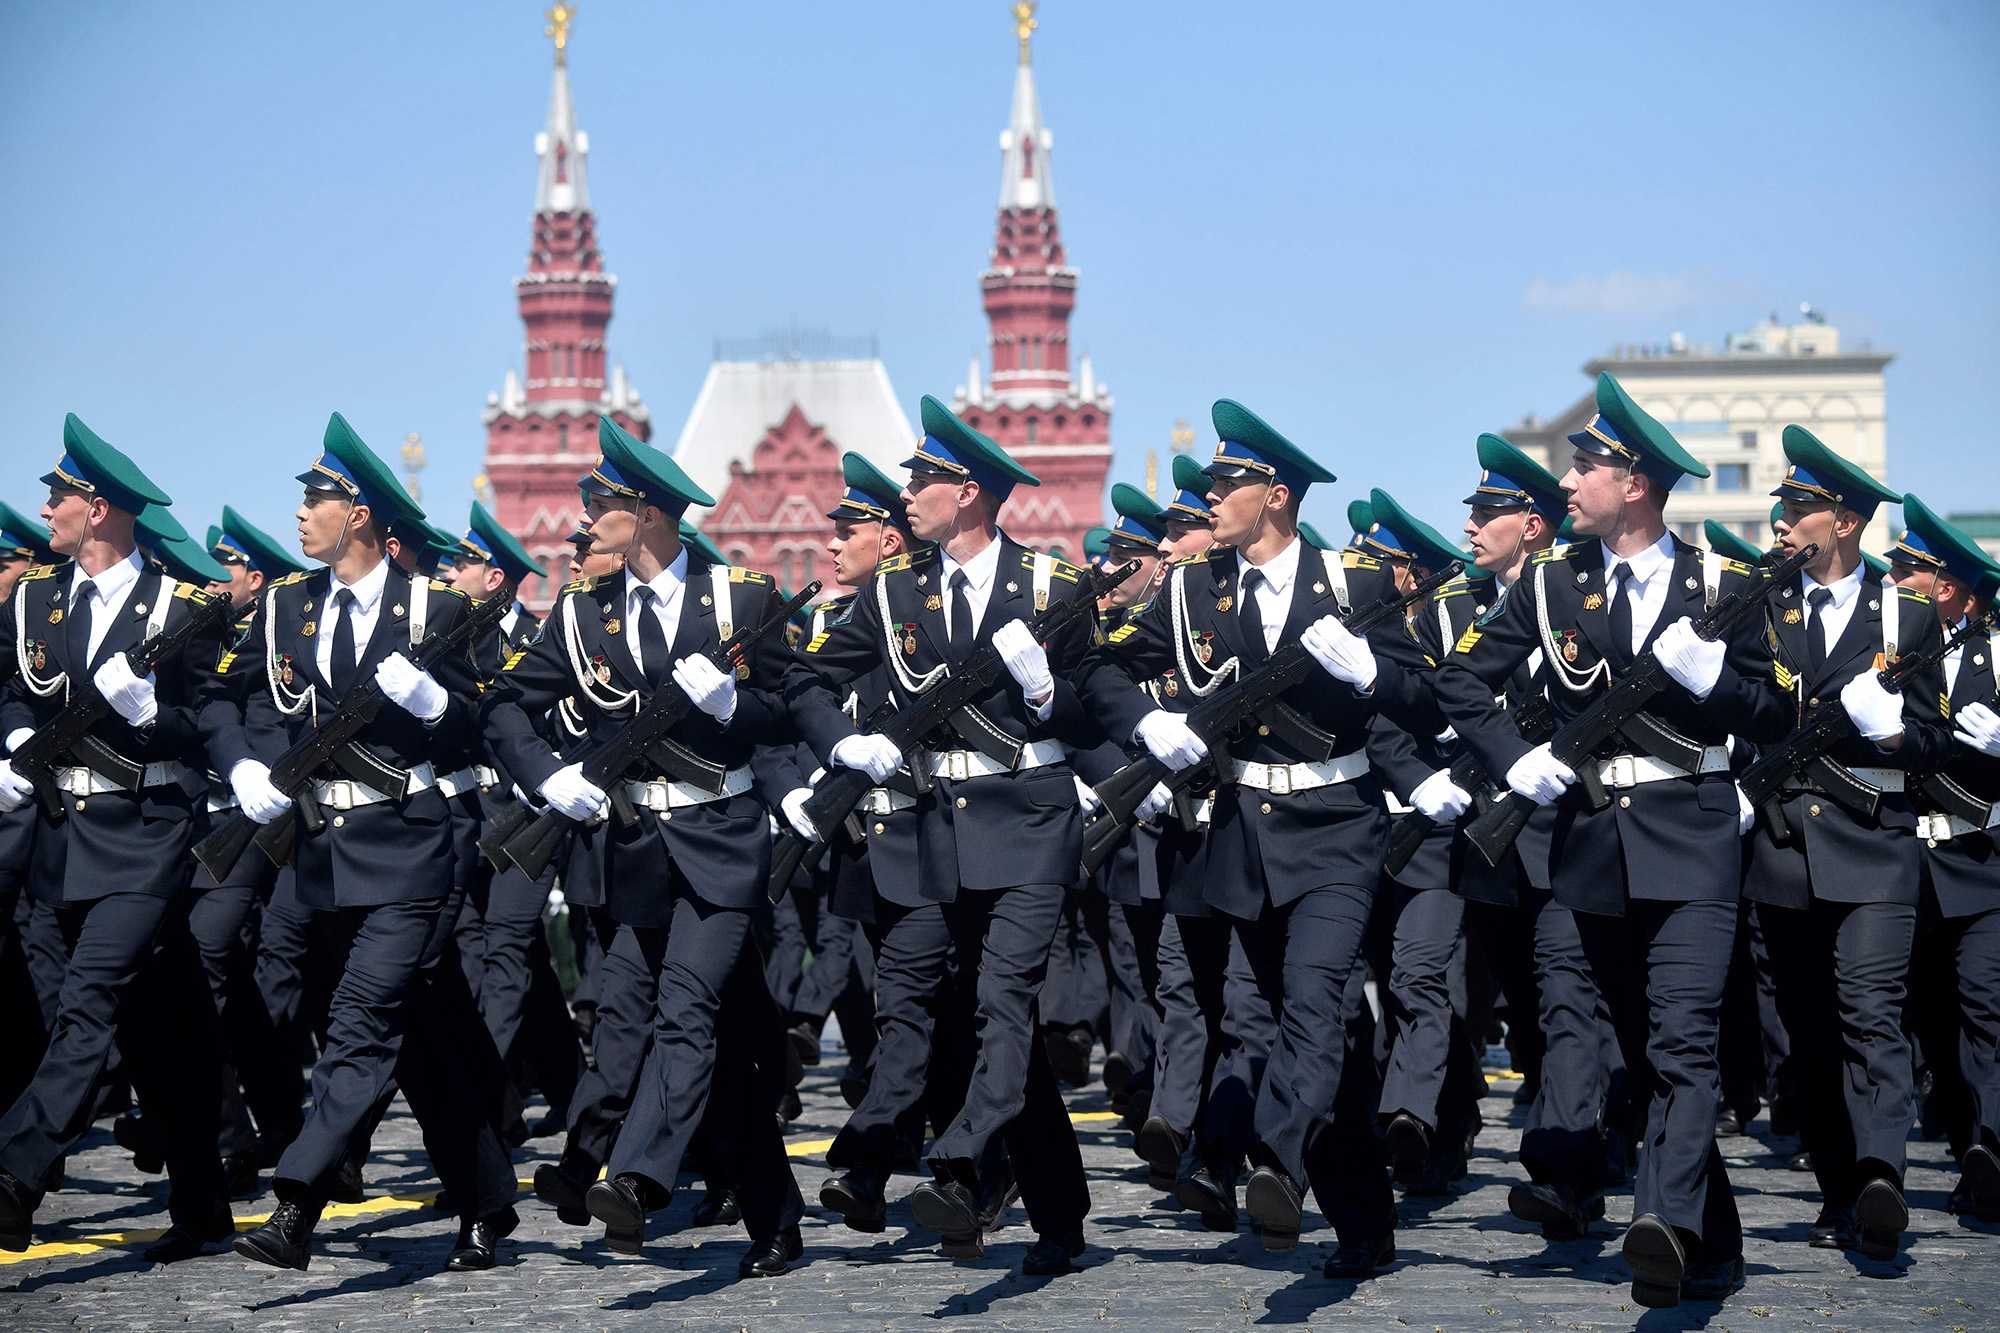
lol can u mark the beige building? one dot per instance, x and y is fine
(1729, 406)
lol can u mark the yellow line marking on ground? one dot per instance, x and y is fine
(380, 1203)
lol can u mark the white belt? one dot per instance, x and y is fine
(663, 796)
(347, 794)
(220, 799)
(1939, 828)
(1396, 804)
(1633, 770)
(81, 781)
(1282, 779)
(960, 765)
(454, 784)
(883, 801)
(1881, 779)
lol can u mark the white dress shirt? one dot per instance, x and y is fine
(1953, 659)
(367, 592)
(1846, 592)
(511, 619)
(1274, 592)
(109, 591)
(1652, 576)
(979, 572)
(668, 587)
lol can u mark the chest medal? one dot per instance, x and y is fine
(1168, 685)
(1593, 600)
(909, 639)
(38, 653)
(1204, 647)
(307, 630)
(601, 669)
(933, 603)
(55, 615)
(286, 673)
(1569, 649)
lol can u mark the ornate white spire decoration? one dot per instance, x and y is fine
(1025, 143)
(561, 185)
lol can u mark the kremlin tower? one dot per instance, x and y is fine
(541, 427)
(1057, 424)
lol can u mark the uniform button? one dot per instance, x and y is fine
(879, 828)
(1263, 730)
(1813, 811)
(1812, 703)
(80, 803)
(666, 816)
(340, 821)
(960, 803)
(1264, 809)
(1624, 802)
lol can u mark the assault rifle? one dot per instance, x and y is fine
(1802, 756)
(1620, 711)
(64, 739)
(330, 745)
(1535, 720)
(839, 790)
(534, 844)
(1257, 695)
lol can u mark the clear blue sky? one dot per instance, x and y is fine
(1385, 228)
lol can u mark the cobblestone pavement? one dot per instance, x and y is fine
(1463, 1263)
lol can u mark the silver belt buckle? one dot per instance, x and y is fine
(1622, 772)
(1281, 779)
(955, 765)
(75, 781)
(339, 794)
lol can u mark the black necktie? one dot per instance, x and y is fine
(1621, 617)
(1817, 602)
(76, 634)
(341, 677)
(1252, 618)
(960, 633)
(652, 639)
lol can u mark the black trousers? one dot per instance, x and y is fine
(29, 985)
(1431, 1066)
(1224, 1060)
(1011, 1100)
(626, 991)
(922, 1049)
(134, 977)
(840, 979)
(1956, 978)
(505, 953)
(1841, 971)
(1584, 1088)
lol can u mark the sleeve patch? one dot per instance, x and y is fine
(513, 659)
(819, 640)
(223, 663)
(1122, 633)
(1782, 675)
(1467, 640)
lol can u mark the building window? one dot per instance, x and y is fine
(1747, 438)
(1732, 476)
(562, 437)
(1032, 424)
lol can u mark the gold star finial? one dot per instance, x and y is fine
(1183, 438)
(560, 15)
(1024, 25)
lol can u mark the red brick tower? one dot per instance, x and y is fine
(541, 427)
(1058, 426)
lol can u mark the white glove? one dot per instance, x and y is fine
(415, 692)
(1086, 796)
(18, 737)
(1539, 776)
(1979, 727)
(794, 806)
(1157, 800)
(1026, 662)
(131, 698)
(1439, 799)
(255, 795)
(1746, 815)
(712, 689)
(1341, 653)
(1877, 713)
(877, 756)
(1169, 739)
(1447, 736)
(567, 791)
(1695, 663)
(14, 789)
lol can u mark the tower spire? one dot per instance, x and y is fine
(561, 149)
(1025, 143)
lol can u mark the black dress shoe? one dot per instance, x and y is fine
(1204, 1192)
(284, 1240)
(1800, 1161)
(1728, 1124)
(1069, 1054)
(1658, 1262)
(1833, 1229)
(805, 1041)
(948, 1208)
(479, 1239)
(1161, 1145)
(768, 1258)
(17, 1212)
(1712, 1280)
(1555, 1209)
(1276, 1204)
(140, 1137)
(1979, 1178)
(1118, 1074)
(564, 1184)
(186, 1241)
(1354, 1263)
(857, 1196)
(239, 1175)
(516, 1134)
(718, 1208)
(346, 1186)
(1881, 1217)
(1409, 1142)
(994, 1194)
(1783, 1122)
(1052, 1256)
(620, 1203)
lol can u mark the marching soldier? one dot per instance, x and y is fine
(1957, 977)
(1837, 887)
(1295, 842)
(379, 871)
(31, 957)
(1652, 879)
(681, 882)
(998, 838)
(114, 864)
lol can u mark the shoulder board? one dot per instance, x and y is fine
(581, 585)
(1058, 566)
(39, 571)
(894, 563)
(439, 585)
(1912, 595)
(840, 603)
(1560, 551)
(738, 574)
(187, 592)
(1356, 560)
(1452, 590)
(1198, 558)
(1731, 566)
(296, 576)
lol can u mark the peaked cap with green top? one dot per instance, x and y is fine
(1248, 446)
(92, 466)
(1817, 475)
(179, 554)
(951, 448)
(693, 538)
(1626, 434)
(22, 537)
(486, 540)
(631, 469)
(239, 541)
(1400, 535)
(1141, 523)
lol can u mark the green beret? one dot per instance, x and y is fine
(95, 468)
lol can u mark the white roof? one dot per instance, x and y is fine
(739, 401)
